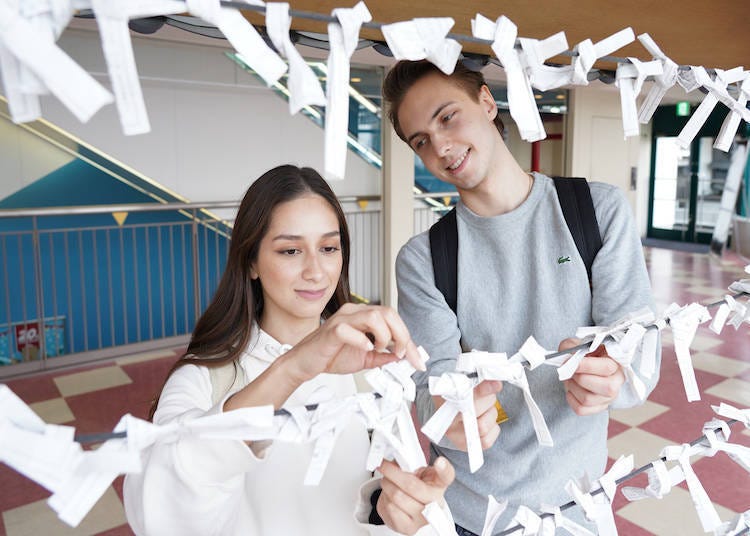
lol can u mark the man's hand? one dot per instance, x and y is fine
(596, 382)
(405, 495)
(485, 395)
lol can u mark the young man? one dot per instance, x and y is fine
(519, 274)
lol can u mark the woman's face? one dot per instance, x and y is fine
(299, 263)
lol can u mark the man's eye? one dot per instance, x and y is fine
(419, 144)
(448, 117)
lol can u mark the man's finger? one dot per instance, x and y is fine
(586, 397)
(487, 387)
(600, 351)
(568, 343)
(598, 366)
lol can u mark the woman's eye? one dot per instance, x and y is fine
(331, 249)
(290, 252)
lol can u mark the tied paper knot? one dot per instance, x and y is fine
(521, 99)
(739, 312)
(343, 37)
(629, 79)
(241, 35)
(630, 341)
(732, 121)
(304, 86)
(424, 38)
(458, 392)
(394, 435)
(738, 525)
(717, 91)
(729, 411)
(703, 506)
(556, 520)
(320, 426)
(532, 353)
(535, 52)
(528, 519)
(588, 53)
(441, 523)
(618, 329)
(22, 86)
(97, 469)
(684, 322)
(112, 17)
(496, 366)
(662, 82)
(719, 441)
(31, 60)
(327, 422)
(598, 508)
(660, 482)
(494, 510)
(743, 285)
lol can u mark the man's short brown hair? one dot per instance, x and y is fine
(405, 74)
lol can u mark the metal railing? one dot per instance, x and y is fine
(77, 285)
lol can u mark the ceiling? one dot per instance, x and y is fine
(714, 34)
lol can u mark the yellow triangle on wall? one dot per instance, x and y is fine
(362, 203)
(120, 217)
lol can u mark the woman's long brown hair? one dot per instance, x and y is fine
(223, 330)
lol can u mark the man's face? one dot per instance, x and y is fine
(452, 133)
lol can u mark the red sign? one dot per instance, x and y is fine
(27, 335)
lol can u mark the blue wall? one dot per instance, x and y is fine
(94, 299)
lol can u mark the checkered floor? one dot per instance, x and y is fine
(93, 398)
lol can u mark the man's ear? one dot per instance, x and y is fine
(487, 101)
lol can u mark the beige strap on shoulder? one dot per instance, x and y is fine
(226, 378)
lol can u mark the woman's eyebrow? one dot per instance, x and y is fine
(299, 237)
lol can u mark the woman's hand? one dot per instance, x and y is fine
(357, 337)
(405, 495)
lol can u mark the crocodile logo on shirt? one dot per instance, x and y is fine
(562, 259)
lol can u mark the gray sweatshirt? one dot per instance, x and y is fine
(514, 281)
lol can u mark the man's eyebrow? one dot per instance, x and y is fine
(330, 234)
(434, 115)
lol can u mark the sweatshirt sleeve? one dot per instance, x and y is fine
(430, 320)
(188, 485)
(620, 281)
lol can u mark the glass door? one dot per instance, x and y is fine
(686, 182)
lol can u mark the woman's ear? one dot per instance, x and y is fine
(253, 273)
(488, 102)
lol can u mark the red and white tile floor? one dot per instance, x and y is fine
(92, 399)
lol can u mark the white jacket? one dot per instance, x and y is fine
(206, 487)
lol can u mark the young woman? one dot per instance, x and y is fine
(279, 329)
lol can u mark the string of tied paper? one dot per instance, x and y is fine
(596, 498)
(52, 455)
(631, 339)
(32, 64)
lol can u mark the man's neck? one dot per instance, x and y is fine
(505, 189)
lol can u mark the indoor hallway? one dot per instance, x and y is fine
(92, 398)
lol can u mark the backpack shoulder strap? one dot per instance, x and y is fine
(577, 206)
(444, 252)
(224, 378)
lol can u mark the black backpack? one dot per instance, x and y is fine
(578, 208)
